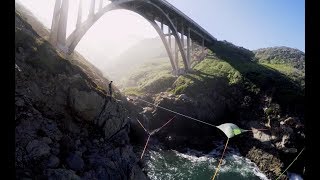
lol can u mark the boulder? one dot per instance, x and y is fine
(136, 173)
(53, 162)
(37, 149)
(75, 162)
(86, 105)
(61, 174)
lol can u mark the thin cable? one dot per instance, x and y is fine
(225, 147)
(143, 126)
(290, 164)
(157, 130)
(145, 146)
(178, 113)
(150, 134)
(140, 125)
(245, 130)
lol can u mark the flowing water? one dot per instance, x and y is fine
(193, 165)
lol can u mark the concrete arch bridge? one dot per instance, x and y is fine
(159, 13)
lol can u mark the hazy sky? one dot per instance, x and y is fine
(251, 24)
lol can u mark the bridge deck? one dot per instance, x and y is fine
(197, 33)
(185, 21)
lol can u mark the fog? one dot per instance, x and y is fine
(109, 37)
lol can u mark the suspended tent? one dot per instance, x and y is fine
(231, 130)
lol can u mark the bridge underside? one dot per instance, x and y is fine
(158, 13)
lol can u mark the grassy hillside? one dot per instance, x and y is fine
(152, 77)
(281, 55)
(228, 72)
(146, 52)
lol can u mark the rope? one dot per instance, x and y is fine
(178, 113)
(157, 130)
(225, 147)
(192, 117)
(290, 164)
(245, 130)
(152, 133)
(145, 146)
(142, 126)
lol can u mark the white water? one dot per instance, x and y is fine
(194, 165)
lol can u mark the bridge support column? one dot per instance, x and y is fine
(92, 7)
(202, 48)
(63, 20)
(176, 55)
(100, 5)
(166, 45)
(79, 19)
(191, 50)
(162, 25)
(188, 49)
(55, 23)
(182, 36)
(183, 48)
(169, 38)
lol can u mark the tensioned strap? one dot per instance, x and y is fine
(145, 147)
(290, 164)
(178, 113)
(152, 133)
(225, 147)
(157, 130)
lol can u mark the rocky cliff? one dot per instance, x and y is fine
(229, 86)
(66, 125)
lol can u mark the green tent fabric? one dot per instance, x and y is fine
(230, 130)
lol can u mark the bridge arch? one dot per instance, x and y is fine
(75, 37)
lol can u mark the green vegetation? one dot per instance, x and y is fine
(281, 55)
(151, 77)
(158, 84)
(205, 73)
(132, 91)
(227, 73)
(291, 72)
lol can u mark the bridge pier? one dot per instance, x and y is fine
(191, 50)
(188, 49)
(182, 36)
(63, 20)
(161, 25)
(55, 23)
(92, 7)
(100, 5)
(169, 37)
(59, 24)
(202, 48)
(176, 55)
(79, 19)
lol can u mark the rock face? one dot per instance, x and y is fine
(37, 149)
(59, 113)
(85, 103)
(75, 162)
(272, 150)
(62, 174)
